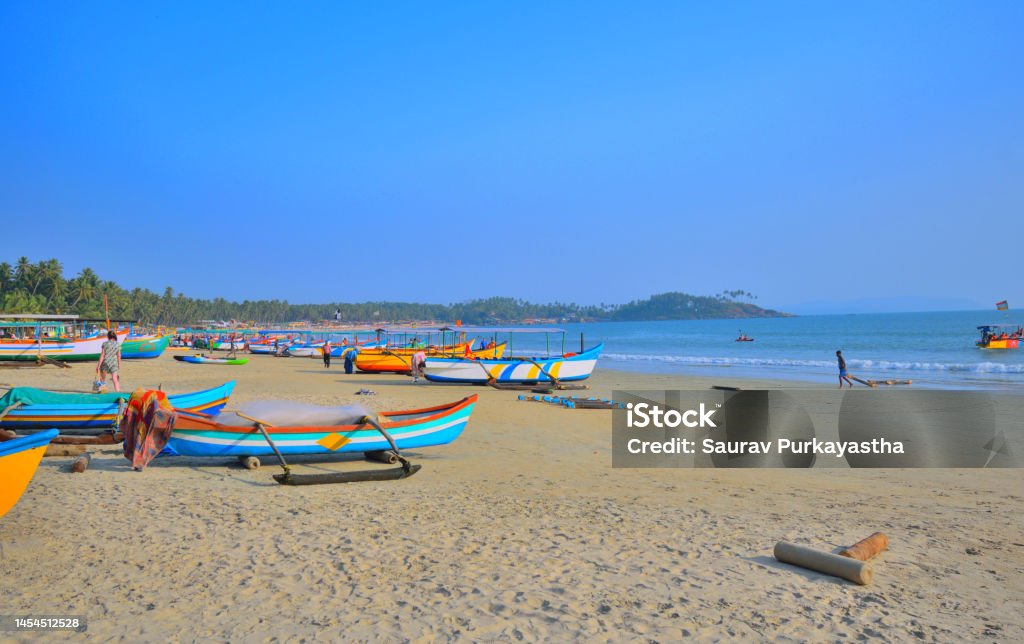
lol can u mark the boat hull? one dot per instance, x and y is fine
(513, 370)
(1008, 343)
(19, 459)
(204, 360)
(102, 415)
(87, 350)
(142, 349)
(400, 360)
(200, 436)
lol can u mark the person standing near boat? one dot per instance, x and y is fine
(110, 360)
(419, 362)
(843, 375)
(327, 354)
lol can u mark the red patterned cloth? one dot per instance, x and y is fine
(147, 424)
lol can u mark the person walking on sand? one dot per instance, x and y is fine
(842, 371)
(327, 354)
(110, 360)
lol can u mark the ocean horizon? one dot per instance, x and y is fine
(934, 349)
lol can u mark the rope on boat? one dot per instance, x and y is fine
(10, 408)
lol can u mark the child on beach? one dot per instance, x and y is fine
(842, 371)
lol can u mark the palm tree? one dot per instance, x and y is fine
(6, 277)
(85, 286)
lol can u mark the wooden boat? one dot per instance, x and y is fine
(265, 348)
(1000, 336)
(201, 359)
(144, 347)
(62, 349)
(315, 349)
(521, 370)
(41, 409)
(399, 360)
(227, 344)
(201, 435)
(19, 459)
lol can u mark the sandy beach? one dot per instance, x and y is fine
(521, 529)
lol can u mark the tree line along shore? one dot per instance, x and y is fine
(42, 287)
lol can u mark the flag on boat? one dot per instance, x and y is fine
(1002, 306)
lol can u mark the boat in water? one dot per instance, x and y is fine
(1000, 336)
(29, 408)
(19, 459)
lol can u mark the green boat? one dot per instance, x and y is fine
(144, 347)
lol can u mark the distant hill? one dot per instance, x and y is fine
(681, 306)
(42, 288)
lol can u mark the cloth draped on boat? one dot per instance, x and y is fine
(147, 424)
(32, 396)
(285, 413)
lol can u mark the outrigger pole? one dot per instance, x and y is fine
(405, 470)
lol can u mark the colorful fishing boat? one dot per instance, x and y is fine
(265, 348)
(29, 408)
(56, 337)
(399, 360)
(135, 348)
(227, 344)
(1000, 336)
(200, 435)
(513, 369)
(562, 366)
(19, 459)
(201, 359)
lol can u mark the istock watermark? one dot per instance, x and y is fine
(817, 428)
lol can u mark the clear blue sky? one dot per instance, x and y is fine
(589, 151)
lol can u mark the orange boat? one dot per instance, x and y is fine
(1000, 336)
(19, 458)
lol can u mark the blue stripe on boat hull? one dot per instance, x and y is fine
(448, 429)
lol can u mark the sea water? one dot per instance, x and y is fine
(934, 349)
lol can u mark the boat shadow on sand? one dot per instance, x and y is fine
(226, 467)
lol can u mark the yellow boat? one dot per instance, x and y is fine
(19, 458)
(399, 360)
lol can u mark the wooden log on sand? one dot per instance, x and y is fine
(102, 439)
(385, 456)
(81, 463)
(64, 450)
(866, 383)
(867, 548)
(853, 570)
